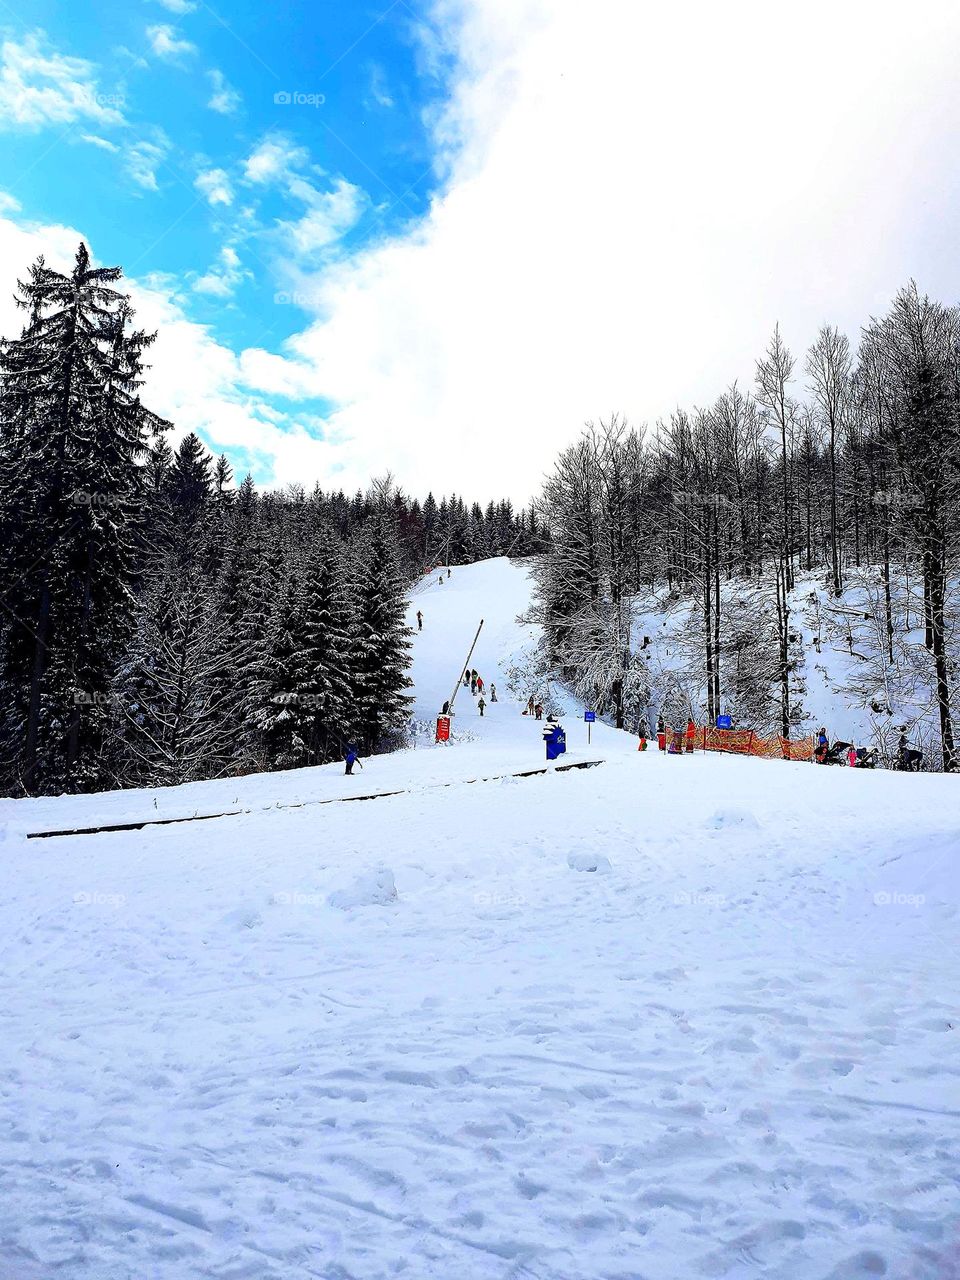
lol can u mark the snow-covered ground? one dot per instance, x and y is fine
(417, 1036)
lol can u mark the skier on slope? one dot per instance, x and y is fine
(466, 679)
(493, 693)
(481, 704)
(529, 710)
(473, 683)
(479, 684)
(419, 620)
(661, 733)
(351, 758)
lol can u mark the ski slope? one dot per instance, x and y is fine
(420, 1036)
(496, 592)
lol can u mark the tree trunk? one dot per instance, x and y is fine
(834, 537)
(783, 637)
(32, 737)
(936, 593)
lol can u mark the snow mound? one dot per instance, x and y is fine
(589, 862)
(245, 917)
(723, 818)
(375, 888)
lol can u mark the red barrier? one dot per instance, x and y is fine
(744, 742)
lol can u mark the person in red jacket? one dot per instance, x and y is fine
(691, 735)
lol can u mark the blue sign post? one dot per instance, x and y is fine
(724, 722)
(589, 717)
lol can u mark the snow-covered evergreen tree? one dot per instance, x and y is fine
(381, 639)
(327, 704)
(74, 432)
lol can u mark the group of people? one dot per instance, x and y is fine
(680, 739)
(533, 708)
(846, 753)
(473, 681)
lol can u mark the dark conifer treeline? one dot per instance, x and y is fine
(158, 625)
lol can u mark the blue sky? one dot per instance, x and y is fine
(160, 177)
(466, 227)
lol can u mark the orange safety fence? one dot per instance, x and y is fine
(744, 742)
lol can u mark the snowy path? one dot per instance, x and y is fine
(732, 1054)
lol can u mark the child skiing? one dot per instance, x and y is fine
(351, 758)
(493, 693)
(481, 704)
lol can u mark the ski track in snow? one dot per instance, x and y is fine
(730, 1053)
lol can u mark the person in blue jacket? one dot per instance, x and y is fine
(351, 757)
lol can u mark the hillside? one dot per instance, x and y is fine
(661, 1017)
(842, 676)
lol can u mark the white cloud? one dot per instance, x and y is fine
(39, 86)
(278, 162)
(273, 159)
(329, 214)
(8, 203)
(178, 6)
(104, 144)
(215, 185)
(636, 194)
(378, 93)
(224, 99)
(143, 158)
(222, 280)
(136, 59)
(167, 43)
